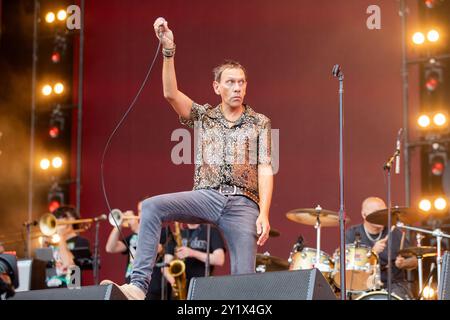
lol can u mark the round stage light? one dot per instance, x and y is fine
(53, 205)
(440, 204)
(50, 17)
(57, 162)
(44, 164)
(439, 119)
(62, 15)
(423, 121)
(425, 205)
(433, 35)
(58, 88)
(47, 90)
(418, 38)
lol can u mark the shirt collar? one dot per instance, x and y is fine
(216, 113)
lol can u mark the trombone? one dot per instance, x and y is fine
(117, 217)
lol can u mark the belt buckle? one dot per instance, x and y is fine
(234, 192)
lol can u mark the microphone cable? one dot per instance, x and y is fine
(119, 124)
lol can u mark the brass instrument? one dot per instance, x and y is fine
(48, 223)
(117, 217)
(177, 269)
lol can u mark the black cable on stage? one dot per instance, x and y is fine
(119, 124)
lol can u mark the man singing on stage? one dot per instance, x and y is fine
(233, 179)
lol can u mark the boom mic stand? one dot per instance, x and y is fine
(337, 73)
(387, 167)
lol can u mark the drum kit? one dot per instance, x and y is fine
(362, 267)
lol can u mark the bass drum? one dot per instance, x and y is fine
(377, 295)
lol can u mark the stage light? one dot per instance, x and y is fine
(50, 17)
(418, 38)
(62, 15)
(44, 164)
(440, 204)
(56, 57)
(53, 205)
(437, 168)
(439, 119)
(47, 90)
(433, 35)
(424, 121)
(57, 122)
(428, 293)
(58, 88)
(57, 162)
(432, 82)
(54, 132)
(425, 205)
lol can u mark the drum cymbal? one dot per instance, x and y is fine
(309, 216)
(418, 252)
(272, 263)
(402, 214)
(274, 233)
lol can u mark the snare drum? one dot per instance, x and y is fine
(361, 267)
(306, 259)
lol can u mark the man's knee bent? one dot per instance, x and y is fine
(151, 208)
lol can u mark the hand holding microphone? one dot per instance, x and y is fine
(163, 33)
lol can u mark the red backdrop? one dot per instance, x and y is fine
(289, 48)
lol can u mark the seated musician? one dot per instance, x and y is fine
(72, 249)
(376, 237)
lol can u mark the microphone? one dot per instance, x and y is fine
(397, 152)
(336, 70)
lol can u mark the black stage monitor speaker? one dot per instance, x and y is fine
(281, 285)
(444, 289)
(108, 292)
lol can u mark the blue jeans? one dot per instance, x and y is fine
(234, 215)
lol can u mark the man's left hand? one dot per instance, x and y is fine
(262, 229)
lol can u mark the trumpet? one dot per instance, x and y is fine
(48, 223)
(117, 217)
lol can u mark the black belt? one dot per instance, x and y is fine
(228, 190)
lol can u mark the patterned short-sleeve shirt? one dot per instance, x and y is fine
(229, 153)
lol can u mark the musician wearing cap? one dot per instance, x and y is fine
(72, 249)
(233, 178)
(376, 237)
(128, 246)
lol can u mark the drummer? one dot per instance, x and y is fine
(375, 236)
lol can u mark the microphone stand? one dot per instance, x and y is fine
(208, 238)
(96, 263)
(337, 72)
(387, 167)
(96, 253)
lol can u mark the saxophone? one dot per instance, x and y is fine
(177, 269)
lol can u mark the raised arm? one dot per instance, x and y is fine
(179, 101)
